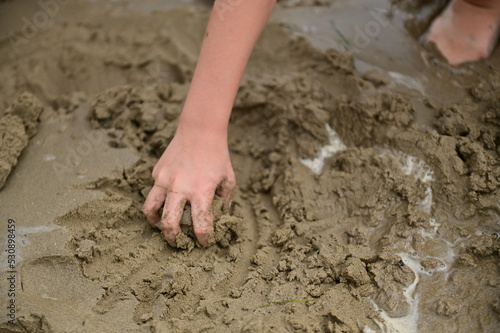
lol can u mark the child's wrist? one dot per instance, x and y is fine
(206, 126)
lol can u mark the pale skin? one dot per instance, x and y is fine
(466, 31)
(196, 164)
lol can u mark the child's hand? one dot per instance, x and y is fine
(194, 166)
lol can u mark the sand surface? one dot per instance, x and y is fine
(368, 175)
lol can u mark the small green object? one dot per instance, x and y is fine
(345, 41)
(286, 301)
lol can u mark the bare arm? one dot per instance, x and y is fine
(197, 163)
(232, 31)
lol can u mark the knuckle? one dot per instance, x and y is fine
(200, 197)
(231, 183)
(204, 184)
(149, 213)
(170, 228)
(170, 219)
(162, 179)
(166, 218)
(177, 186)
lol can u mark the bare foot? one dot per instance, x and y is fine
(466, 31)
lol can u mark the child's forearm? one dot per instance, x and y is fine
(232, 31)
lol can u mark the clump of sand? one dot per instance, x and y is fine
(17, 125)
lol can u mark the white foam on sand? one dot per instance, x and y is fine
(408, 323)
(407, 81)
(421, 171)
(435, 227)
(367, 329)
(334, 146)
(411, 165)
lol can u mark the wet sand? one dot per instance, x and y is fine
(368, 175)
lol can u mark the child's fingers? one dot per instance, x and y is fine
(203, 221)
(153, 203)
(225, 190)
(172, 214)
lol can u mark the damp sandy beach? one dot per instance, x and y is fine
(368, 174)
